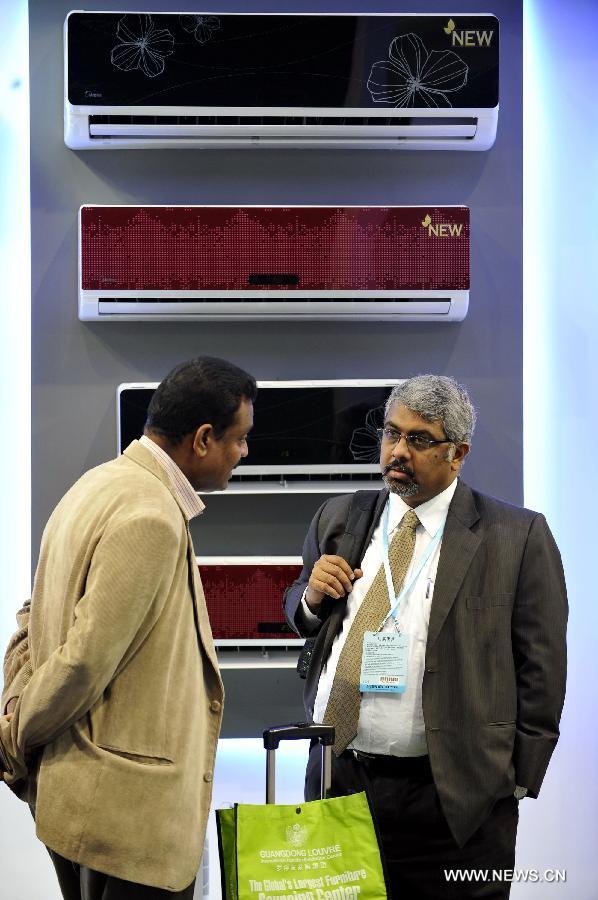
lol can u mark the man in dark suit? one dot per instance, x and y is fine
(446, 698)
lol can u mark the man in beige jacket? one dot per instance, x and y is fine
(113, 693)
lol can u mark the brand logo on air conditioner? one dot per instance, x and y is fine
(469, 37)
(442, 229)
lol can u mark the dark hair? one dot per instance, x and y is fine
(201, 390)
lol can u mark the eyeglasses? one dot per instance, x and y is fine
(414, 441)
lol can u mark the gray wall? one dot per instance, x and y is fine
(77, 367)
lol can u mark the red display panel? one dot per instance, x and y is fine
(245, 601)
(144, 248)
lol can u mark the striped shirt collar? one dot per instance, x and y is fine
(191, 504)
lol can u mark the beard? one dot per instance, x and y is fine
(402, 488)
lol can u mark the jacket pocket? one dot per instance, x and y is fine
(141, 758)
(488, 601)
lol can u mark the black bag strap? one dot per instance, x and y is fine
(344, 549)
(354, 513)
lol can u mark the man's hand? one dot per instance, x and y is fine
(29, 754)
(331, 575)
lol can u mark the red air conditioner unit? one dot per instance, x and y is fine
(244, 598)
(384, 263)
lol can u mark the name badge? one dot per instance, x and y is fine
(384, 662)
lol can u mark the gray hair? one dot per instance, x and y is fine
(437, 398)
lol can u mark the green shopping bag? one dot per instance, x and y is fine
(227, 845)
(320, 850)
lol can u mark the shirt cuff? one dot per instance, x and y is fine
(305, 620)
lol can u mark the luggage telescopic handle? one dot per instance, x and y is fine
(322, 733)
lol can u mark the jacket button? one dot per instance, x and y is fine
(215, 706)
(208, 777)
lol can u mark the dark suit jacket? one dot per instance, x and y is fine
(494, 680)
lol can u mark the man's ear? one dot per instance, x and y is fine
(202, 438)
(461, 451)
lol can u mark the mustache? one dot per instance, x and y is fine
(398, 467)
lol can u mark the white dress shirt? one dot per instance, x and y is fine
(393, 723)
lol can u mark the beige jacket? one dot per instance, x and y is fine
(124, 694)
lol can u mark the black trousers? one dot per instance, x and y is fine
(417, 844)
(80, 883)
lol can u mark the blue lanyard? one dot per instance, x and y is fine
(408, 585)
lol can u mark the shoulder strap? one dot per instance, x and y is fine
(354, 513)
(361, 502)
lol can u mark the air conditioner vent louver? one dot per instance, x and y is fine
(177, 301)
(280, 120)
(274, 263)
(281, 80)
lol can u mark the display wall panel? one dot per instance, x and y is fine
(76, 366)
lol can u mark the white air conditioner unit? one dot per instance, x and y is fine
(397, 263)
(331, 80)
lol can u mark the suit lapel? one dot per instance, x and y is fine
(459, 546)
(202, 622)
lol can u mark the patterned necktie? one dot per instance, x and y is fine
(344, 702)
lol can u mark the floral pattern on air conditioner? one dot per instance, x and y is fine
(364, 444)
(142, 46)
(203, 27)
(412, 76)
